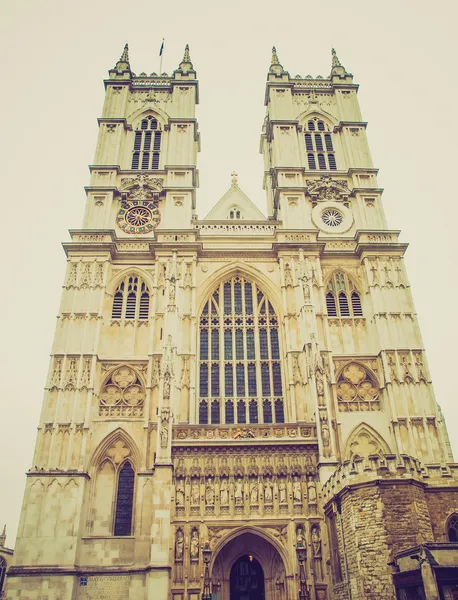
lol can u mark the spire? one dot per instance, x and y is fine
(3, 537)
(337, 67)
(125, 54)
(122, 66)
(186, 63)
(275, 65)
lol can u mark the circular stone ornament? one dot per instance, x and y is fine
(332, 217)
(138, 216)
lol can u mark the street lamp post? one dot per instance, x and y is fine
(207, 554)
(301, 556)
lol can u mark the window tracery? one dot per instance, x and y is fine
(235, 213)
(147, 145)
(342, 297)
(452, 528)
(357, 389)
(319, 146)
(240, 377)
(131, 299)
(122, 395)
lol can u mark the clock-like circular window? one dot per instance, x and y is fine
(332, 217)
(138, 216)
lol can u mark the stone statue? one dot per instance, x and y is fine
(239, 491)
(297, 491)
(325, 434)
(268, 491)
(282, 491)
(254, 491)
(194, 550)
(288, 276)
(311, 488)
(164, 437)
(195, 493)
(316, 541)
(179, 493)
(179, 545)
(224, 492)
(166, 388)
(209, 492)
(300, 536)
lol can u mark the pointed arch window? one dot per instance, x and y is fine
(235, 213)
(452, 528)
(124, 500)
(147, 145)
(131, 300)
(319, 146)
(239, 356)
(342, 297)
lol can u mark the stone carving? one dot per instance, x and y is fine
(268, 495)
(405, 365)
(305, 276)
(209, 492)
(161, 275)
(141, 187)
(300, 539)
(122, 394)
(297, 491)
(316, 541)
(72, 278)
(118, 452)
(297, 373)
(156, 371)
(185, 372)
(356, 389)
(187, 280)
(194, 546)
(311, 491)
(195, 493)
(420, 367)
(288, 276)
(57, 373)
(179, 545)
(179, 493)
(319, 387)
(282, 491)
(164, 428)
(224, 492)
(86, 276)
(328, 189)
(171, 273)
(86, 374)
(238, 492)
(71, 373)
(99, 275)
(254, 491)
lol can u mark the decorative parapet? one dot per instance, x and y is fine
(237, 433)
(388, 466)
(236, 229)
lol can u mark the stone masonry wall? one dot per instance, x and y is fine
(441, 504)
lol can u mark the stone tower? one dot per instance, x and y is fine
(238, 405)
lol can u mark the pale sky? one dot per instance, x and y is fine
(56, 54)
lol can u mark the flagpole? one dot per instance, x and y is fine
(160, 56)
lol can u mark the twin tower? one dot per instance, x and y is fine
(239, 405)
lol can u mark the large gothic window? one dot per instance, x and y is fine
(147, 145)
(342, 297)
(239, 357)
(319, 146)
(124, 500)
(131, 299)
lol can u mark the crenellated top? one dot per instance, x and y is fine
(375, 467)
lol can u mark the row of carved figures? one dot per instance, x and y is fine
(253, 489)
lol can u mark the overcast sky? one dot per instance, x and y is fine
(56, 54)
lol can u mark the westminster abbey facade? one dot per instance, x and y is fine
(237, 406)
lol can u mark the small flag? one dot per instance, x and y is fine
(162, 47)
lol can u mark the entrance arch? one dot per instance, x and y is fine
(246, 581)
(255, 562)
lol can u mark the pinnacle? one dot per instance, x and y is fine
(125, 54)
(275, 60)
(335, 60)
(186, 56)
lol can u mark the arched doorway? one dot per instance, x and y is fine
(246, 579)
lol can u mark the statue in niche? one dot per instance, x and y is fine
(300, 540)
(172, 293)
(282, 491)
(195, 493)
(325, 436)
(238, 493)
(194, 549)
(224, 492)
(168, 357)
(305, 275)
(316, 541)
(185, 374)
(156, 373)
(254, 491)
(188, 276)
(166, 388)
(179, 493)
(297, 491)
(179, 545)
(319, 387)
(297, 374)
(268, 491)
(311, 489)
(210, 492)
(164, 435)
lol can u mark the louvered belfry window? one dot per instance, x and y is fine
(131, 300)
(147, 145)
(342, 298)
(319, 146)
(239, 356)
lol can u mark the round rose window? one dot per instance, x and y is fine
(332, 217)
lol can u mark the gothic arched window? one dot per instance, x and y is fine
(342, 298)
(124, 500)
(147, 145)
(2, 574)
(131, 299)
(239, 356)
(235, 213)
(452, 528)
(319, 146)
